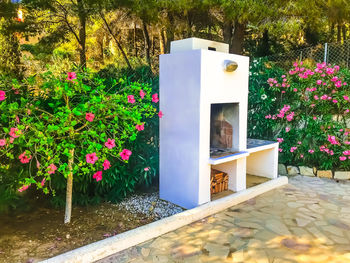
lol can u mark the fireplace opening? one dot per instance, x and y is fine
(224, 129)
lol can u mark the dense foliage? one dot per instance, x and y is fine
(71, 124)
(133, 32)
(306, 110)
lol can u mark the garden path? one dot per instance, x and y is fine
(306, 221)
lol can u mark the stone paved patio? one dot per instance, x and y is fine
(306, 221)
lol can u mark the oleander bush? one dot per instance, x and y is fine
(305, 109)
(73, 126)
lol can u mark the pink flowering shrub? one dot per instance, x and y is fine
(306, 110)
(70, 125)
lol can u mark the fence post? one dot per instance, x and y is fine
(325, 52)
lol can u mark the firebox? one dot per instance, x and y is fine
(203, 133)
(224, 129)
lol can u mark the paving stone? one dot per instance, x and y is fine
(277, 226)
(302, 222)
(249, 225)
(238, 256)
(306, 171)
(342, 175)
(292, 170)
(339, 240)
(294, 204)
(318, 234)
(216, 250)
(282, 169)
(293, 244)
(333, 230)
(324, 174)
(145, 252)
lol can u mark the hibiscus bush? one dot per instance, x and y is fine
(70, 126)
(305, 109)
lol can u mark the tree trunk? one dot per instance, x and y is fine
(147, 43)
(227, 31)
(344, 32)
(170, 35)
(82, 33)
(135, 43)
(338, 33)
(332, 33)
(238, 38)
(69, 192)
(116, 40)
(161, 41)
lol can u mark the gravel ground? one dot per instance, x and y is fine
(150, 205)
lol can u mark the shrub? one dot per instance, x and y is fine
(72, 125)
(306, 110)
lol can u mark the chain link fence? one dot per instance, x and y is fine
(333, 53)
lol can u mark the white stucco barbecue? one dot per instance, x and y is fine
(194, 84)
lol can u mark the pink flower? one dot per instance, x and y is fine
(295, 90)
(312, 105)
(91, 158)
(316, 97)
(342, 158)
(287, 129)
(37, 164)
(280, 150)
(346, 97)
(52, 169)
(89, 116)
(280, 140)
(43, 182)
(106, 165)
(125, 154)
(292, 149)
(131, 99)
(346, 152)
(23, 188)
(268, 116)
(140, 127)
(14, 132)
(283, 91)
(332, 139)
(338, 84)
(142, 94)
(71, 76)
(319, 82)
(2, 142)
(24, 158)
(334, 101)
(97, 176)
(155, 97)
(146, 169)
(110, 143)
(160, 114)
(311, 151)
(2, 95)
(290, 116)
(301, 155)
(299, 142)
(315, 118)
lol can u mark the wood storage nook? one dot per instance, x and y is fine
(218, 181)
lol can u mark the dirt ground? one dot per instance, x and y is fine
(41, 234)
